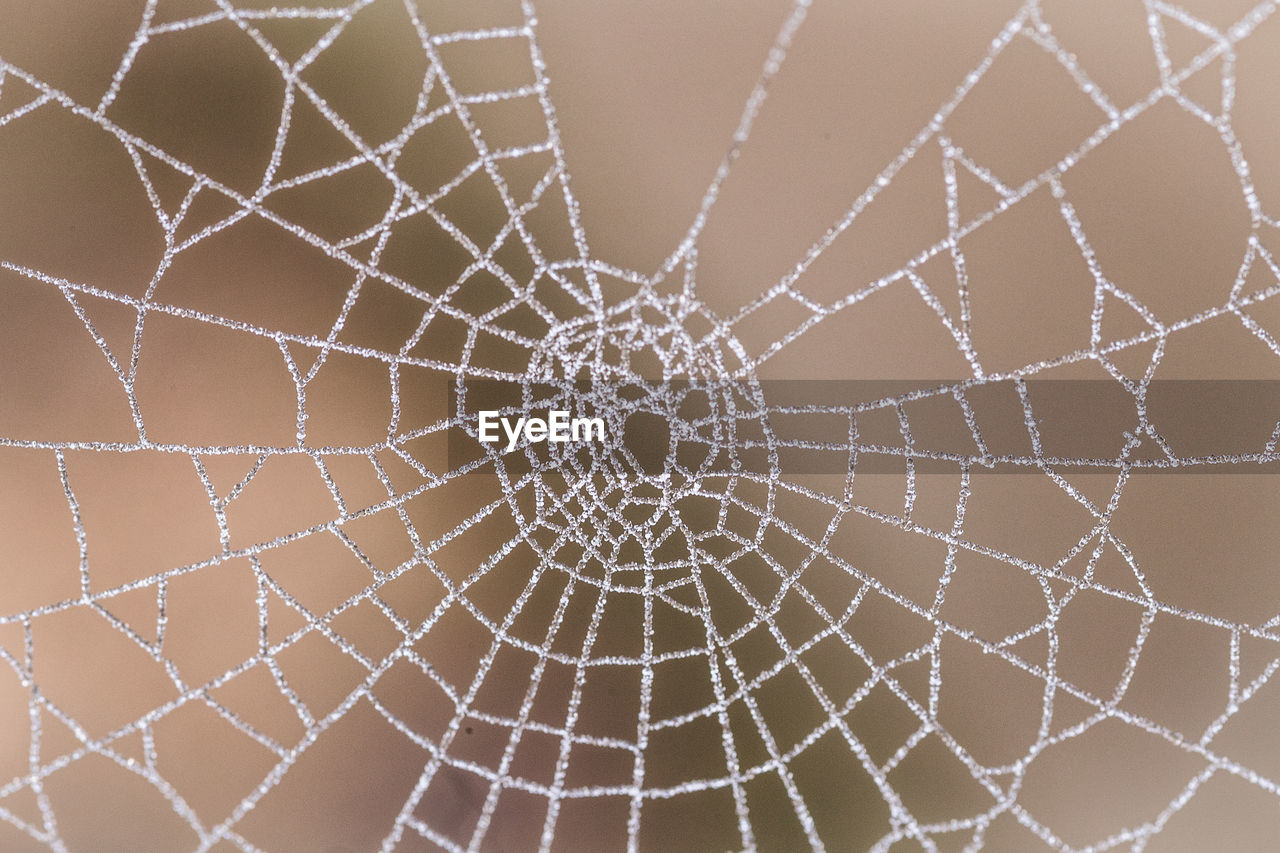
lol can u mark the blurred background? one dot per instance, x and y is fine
(225, 626)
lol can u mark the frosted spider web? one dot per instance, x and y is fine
(606, 537)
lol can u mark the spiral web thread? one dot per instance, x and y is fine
(580, 512)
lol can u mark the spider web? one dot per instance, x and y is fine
(595, 537)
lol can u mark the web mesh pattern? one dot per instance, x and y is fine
(725, 575)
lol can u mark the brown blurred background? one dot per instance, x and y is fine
(181, 633)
